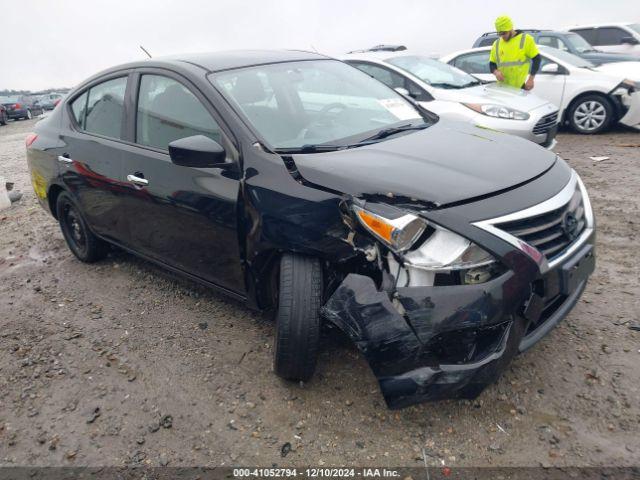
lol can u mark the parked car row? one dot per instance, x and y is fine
(590, 99)
(18, 107)
(25, 107)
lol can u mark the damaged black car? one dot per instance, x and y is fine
(302, 186)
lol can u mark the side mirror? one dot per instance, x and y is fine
(551, 68)
(198, 151)
(402, 91)
(629, 40)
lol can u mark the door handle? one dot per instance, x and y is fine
(64, 159)
(137, 180)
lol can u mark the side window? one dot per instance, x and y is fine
(562, 46)
(168, 111)
(611, 36)
(473, 62)
(548, 42)
(487, 42)
(105, 107)
(589, 34)
(79, 109)
(389, 78)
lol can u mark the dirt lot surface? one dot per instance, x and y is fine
(120, 363)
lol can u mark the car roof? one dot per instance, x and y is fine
(600, 25)
(382, 56)
(228, 60)
(210, 62)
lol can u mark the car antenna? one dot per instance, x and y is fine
(145, 51)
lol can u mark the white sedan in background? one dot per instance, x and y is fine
(590, 98)
(456, 95)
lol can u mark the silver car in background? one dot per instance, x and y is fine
(454, 94)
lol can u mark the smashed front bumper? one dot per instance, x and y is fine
(432, 343)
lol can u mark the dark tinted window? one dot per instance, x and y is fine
(105, 107)
(389, 78)
(589, 34)
(168, 111)
(548, 41)
(611, 36)
(473, 62)
(486, 42)
(79, 108)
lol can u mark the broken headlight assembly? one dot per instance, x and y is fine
(443, 257)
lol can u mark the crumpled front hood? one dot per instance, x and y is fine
(496, 94)
(445, 163)
(629, 70)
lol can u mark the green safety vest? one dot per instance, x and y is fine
(513, 58)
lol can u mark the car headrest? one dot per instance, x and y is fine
(248, 88)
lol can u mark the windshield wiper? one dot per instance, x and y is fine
(445, 85)
(310, 148)
(385, 132)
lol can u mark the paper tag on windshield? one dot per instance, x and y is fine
(399, 108)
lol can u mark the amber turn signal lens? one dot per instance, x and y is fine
(376, 225)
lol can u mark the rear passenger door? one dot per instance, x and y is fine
(90, 162)
(182, 216)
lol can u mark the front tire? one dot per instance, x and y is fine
(298, 317)
(81, 241)
(3, 119)
(591, 114)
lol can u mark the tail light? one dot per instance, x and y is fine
(17, 106)
(30, 139)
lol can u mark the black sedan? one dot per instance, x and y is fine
(304, 187)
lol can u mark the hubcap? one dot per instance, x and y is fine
(74, 228)
(590, 115)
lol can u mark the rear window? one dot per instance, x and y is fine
(105, 108)
(78, 108)
(486, 42)
(589, 34)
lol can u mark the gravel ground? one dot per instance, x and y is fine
(120, 363)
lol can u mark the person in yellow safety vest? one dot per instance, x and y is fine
(514, 56)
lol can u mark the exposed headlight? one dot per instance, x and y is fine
(395, 228)
(448, 255)
(497, 111)
(626, 87)
(445, 250)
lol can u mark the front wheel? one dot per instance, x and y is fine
(591, 114)
(298, 317)
(3, 119)
(81, 241)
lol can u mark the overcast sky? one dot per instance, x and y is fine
(59, 43)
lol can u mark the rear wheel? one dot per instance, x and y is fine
(82, 243)
(3, 118)
(591, 114)
(29, 115)
(298, 317)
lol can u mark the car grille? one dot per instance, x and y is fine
(551, 232)
(546, 123)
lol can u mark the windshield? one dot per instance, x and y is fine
(433, 72)
(635, 27)
(579, 43)
(567, 57)
(297, 104)
(9, 99)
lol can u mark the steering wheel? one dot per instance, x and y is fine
(332, 106)
(322, 118)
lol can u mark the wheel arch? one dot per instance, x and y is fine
(52, 198)
(586, 93)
